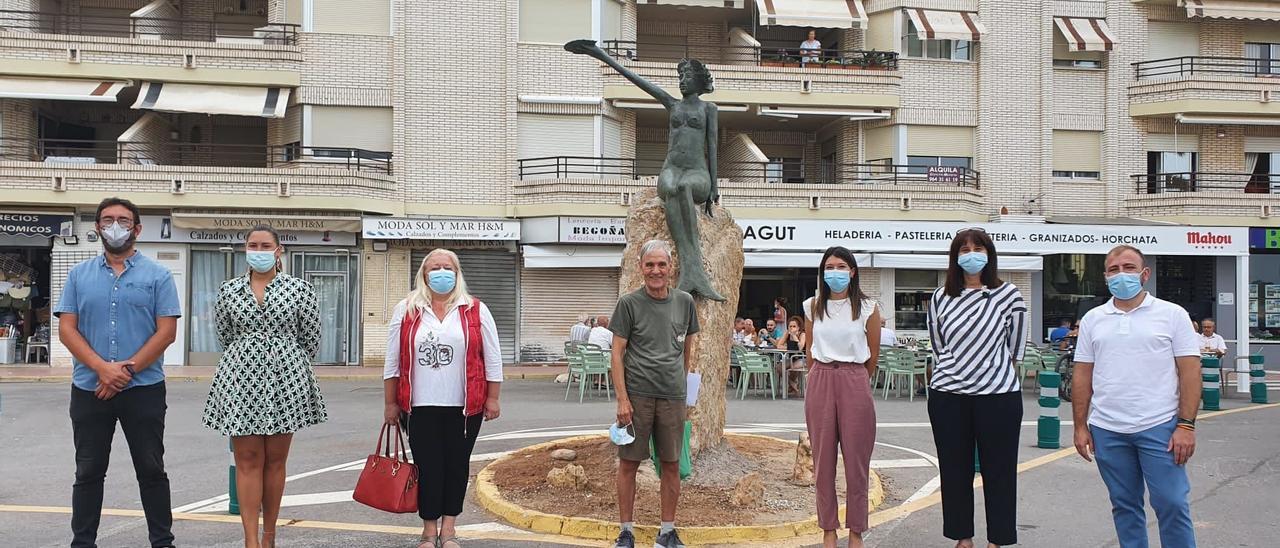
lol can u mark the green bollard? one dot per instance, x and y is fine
(1257, 379)
(1049, 426)
(1210, 375)
(233, 501)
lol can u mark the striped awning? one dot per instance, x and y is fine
(695, 3)
(213, 99)
(827, 14)
(946, 25)
(63, 89)
(1232, 9)
(1085, 34)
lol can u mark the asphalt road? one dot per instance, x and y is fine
(1235, 474)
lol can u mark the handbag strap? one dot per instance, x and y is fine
(386, 429)
(401, 445)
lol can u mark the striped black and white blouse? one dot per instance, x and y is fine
(976, 337)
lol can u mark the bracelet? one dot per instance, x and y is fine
(1187, 427)
(1191, 422)
(128, 368)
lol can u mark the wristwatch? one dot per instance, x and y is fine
(1191, 422)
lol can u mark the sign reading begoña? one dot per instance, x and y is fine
(593, 230)
(161, 228)
(1039, 239)
(943, 174)
(440, 229)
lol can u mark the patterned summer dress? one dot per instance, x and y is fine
(264, 384)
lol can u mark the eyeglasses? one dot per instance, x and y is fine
(973, 228)
(124, 222)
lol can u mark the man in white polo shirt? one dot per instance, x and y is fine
(1136, 390)
(1210, 341)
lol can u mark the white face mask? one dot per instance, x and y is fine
(115, 237)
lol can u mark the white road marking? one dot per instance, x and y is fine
(900, 463)
(927, 489)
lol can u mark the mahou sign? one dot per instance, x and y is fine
(1039, 239)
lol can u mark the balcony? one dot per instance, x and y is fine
(751, 55)
(155, 43)
(584, 179)
(1232, 197)
(1203, 87)
(74, 152)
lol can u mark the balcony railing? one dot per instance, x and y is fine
(80, 152)
(1191, 66)
(1201, 181)
(148, 28)
(752, 55)
(585, 167)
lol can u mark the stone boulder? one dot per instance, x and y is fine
(749, 492)
(802, 474)
(571, 476)
(568, 455)
(723, 258)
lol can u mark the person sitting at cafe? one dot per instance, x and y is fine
(811, 49)
(750, 338)
(1210, 341)
(737, 330)
(769, 335)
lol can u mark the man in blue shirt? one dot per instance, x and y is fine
(118, 313)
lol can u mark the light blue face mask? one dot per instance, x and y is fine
(442, 281)
(619, 435)
(973, 262)
(1125, 285)
(260, 261)
(837, 280)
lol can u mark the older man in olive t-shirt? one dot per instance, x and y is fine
(653, 336)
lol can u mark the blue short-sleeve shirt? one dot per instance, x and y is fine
(117, 315)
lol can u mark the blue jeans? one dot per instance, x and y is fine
(1125, 461)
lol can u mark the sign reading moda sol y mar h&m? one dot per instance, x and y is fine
(440, 229)
(161, 228)
(1039, 239)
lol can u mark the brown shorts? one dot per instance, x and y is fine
(663, 420)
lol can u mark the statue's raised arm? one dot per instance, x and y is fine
(589, 48)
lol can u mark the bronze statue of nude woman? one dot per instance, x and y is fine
(688, 176)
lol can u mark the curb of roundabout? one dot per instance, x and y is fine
(594, 529)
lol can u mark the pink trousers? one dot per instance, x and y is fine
(839, 413)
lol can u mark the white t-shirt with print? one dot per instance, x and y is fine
(438, 347)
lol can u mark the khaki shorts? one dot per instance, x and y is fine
(663, 420)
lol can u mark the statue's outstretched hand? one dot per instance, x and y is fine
(583, 47)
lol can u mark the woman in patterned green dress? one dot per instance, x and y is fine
(264, 389)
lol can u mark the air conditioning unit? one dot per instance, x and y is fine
(178, 186)
(73, 55)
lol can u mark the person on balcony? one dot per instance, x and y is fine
(811, 49)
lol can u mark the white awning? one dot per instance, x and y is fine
(1232, 9)
(695, 3)
(212, 99)
(946, 25)
(61, 89)
(1085, 34)
(832, 14)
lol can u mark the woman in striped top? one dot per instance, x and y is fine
(977, 324)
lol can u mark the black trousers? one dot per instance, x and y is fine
(441, 440)
(141, 412)
(992, 423)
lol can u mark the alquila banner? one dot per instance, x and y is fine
(1030, 238)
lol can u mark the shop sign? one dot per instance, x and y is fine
(441, 229)
(291, 223)
(1264, 238)
(453, 245)
(1040, 239)
(593, 230)
(35, 224)
(943, 174)
(162, 228)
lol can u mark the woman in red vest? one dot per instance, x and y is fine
(444, 369)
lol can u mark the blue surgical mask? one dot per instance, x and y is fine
(973, 262)
(837, 280)
(619, 435)
(442, 281)
(1125, 285)
(260, 261)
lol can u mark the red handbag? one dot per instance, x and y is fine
(389, 482)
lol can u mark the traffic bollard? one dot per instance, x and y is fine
(977, 466)
(233, 501)
(1257, 379)
(1049, 426)
(1210, 374)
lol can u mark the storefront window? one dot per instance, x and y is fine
(1264, 296)
(912, 291)
(1187, 282)
(1073, 285)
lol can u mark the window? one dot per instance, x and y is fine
(1259, 167)
(1171, 171)
(784, 170)
(956, 50)
(920, 164)
(1078, 63)
(1064, 57)
(913, 289)
(1266, 58)
(1092, 175)
(556, 21)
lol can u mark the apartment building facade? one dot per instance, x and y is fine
(373, 131)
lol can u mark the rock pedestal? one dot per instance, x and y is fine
(722, 256)
(802, 474)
